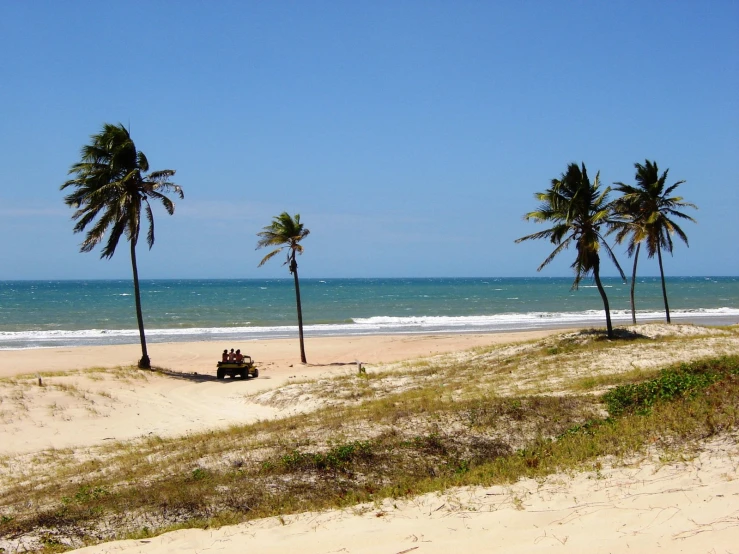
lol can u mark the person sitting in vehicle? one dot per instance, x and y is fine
(239, 357)
(224, 357)
(232, 356)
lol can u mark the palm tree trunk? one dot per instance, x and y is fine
(633, 285)
(664, 287)
(144, 362)
(602, 291)
(294, 271)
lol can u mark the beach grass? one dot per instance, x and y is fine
(492, 417)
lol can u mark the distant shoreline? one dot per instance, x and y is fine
(43, 314)
(163, 336)
(178, 336)
(127, 278)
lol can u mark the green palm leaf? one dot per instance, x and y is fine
(286, 232)
(643, 217)
(111, 185)
(578, 209)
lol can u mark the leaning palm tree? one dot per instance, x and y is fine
(286, 232)
(578, 211)
(111, 188)
(625, 223)
(644, 215)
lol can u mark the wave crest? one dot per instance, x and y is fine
(10, 340)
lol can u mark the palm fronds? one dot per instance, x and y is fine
(578, 210)
(286, 232)
(110, 188)
(643, 215)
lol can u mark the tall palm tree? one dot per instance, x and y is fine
(644, 216)
(111, 188)
(286, 232)
(578, 211)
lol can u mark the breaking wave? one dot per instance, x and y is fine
(377, 325)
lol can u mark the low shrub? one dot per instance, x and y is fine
(671, 383)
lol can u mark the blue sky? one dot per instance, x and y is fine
(410, 136)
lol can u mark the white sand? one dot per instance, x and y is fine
(278, 354)
(89, 408)
(677, 507)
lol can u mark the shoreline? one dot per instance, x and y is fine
(90, 338)
(200, 356)
(273, 355)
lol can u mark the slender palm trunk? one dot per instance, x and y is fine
(602, 291)
(664, 287)
(294, 271)
(633, 285)
(144, 362)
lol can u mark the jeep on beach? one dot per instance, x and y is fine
(232, 369)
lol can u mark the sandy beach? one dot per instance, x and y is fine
(687, 505)
(274, 355)
(188, 397)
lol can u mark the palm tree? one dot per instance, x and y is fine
(286, 232)
(111, 187)
(644, 215)
(578, 210)
(624, 223)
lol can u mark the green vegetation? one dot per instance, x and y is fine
(286, 232)
(112, 188)
(399, 443)
(578, 211)
(683, 380)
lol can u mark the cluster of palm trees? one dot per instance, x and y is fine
(582, 216)
(113, 186)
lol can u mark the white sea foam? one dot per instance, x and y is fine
(358, 326)
(534, 319)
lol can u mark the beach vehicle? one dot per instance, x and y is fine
(232, 369)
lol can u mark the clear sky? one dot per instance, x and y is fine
(409, 135)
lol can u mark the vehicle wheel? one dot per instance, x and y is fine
(219, 374)
(256, 373)
(244, 374)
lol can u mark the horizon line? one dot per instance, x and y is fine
(350, 278)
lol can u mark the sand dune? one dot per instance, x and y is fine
(653, 507)
(685, 506)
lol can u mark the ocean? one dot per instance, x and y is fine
(39, 314)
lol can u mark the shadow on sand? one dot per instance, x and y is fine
(206, 377)
(197, 377)
(618, 334)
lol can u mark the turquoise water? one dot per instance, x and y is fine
(67, 313)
